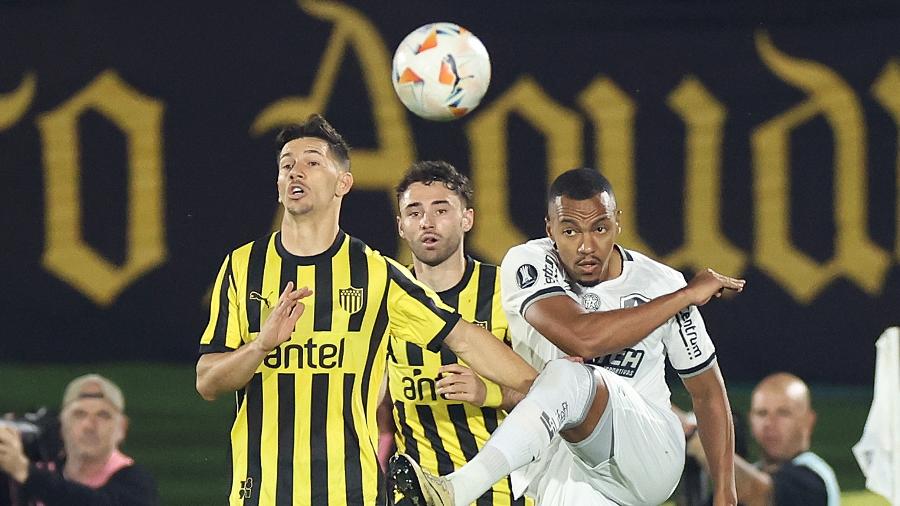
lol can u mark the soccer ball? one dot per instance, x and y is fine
(441, 71)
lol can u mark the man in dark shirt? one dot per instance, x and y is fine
(782, 421)
(95, 472)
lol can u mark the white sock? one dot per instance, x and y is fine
(478, 476)
(560, 397)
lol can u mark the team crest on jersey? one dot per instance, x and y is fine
(526, 275)
(590, 301)
(351, 299)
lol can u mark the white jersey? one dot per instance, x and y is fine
(533, 271)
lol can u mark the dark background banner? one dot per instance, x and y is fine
(136, 150)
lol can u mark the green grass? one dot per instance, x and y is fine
(183, 440)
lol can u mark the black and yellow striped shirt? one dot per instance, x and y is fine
(443, 435)
(305, 431)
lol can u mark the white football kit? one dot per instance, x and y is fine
(648, 440)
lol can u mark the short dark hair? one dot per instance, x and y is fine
(318, 127)
(579, 184)
(429, 171)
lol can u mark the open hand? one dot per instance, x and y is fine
(708, 284)
(281, 321)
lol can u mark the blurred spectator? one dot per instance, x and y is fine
(782, 422)
(94, 471)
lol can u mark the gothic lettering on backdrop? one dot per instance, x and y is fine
(66, 253)
(856, 256)
(605, 106)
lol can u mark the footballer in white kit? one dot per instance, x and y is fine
(601, 432)
(649, 440)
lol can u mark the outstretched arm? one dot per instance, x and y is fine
(593, 334)
(716, 429)
(218, 373)
(489, 357)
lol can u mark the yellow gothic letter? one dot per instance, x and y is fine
(14, 104)
(612, 112)
(887, 90)
(381, 168)
(856, 256)
(560, 127)
(705, 244)
(66, 253)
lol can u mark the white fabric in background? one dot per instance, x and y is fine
(878, 451)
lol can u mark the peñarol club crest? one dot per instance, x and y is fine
(350, 299)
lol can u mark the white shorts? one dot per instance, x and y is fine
(648, 457)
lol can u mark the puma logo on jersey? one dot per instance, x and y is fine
(259, 298)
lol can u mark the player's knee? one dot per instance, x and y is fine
(562, 370)
(573, 382)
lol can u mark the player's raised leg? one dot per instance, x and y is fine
(561, 399)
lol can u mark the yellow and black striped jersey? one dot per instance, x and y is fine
(305, 431)
(443, 435)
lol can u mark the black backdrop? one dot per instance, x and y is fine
(136, 150)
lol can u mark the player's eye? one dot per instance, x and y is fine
(287, 166)
(568, 232)
(601, 229)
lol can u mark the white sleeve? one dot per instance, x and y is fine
(688, 345)
(528, 274)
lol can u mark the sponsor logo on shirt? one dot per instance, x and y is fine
(551, 272)
(309, 355)
(688, 330)
(526, 275)
(624, 363)
(420, 388)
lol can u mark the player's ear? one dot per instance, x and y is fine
(468, 219)
(345, 182)
(399, 228)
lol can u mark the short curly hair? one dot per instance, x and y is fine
(429, 171)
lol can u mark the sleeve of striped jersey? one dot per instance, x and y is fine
(222, 332)
(527, 275)
(688, 346)
(415, 312)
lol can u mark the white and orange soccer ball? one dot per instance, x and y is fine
(441, 71)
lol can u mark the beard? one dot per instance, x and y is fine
(436, 256)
